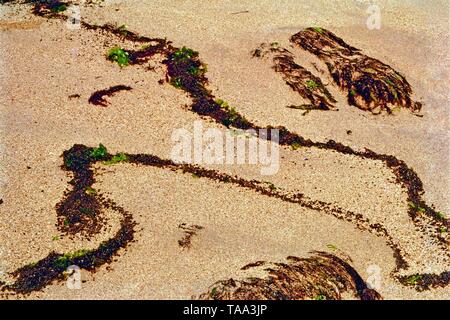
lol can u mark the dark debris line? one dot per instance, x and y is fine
(73, 219)
(98, 97)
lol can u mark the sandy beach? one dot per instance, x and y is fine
(376, 197)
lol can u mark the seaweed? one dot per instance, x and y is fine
(120, 157)
(99, 152)
(122, 30)
(80, 211)
(98, 97)
(119, 55)
(188, 233)
(369, 83)
(297, 77)
(253, 265)
(307, 108)
(180, 63)
(152, 48)
(426, 281)
(74, 96)
(319, 277)
(49, 6)
(37, 275)
(73, 208)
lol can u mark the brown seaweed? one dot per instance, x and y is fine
(369, 83)
(98, 97)
(188, 233)
(38, 275)
(297, 77)
(322, 276)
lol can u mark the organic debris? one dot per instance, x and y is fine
(120, 56)
(426, 281)
(80, 211)
(189, 232)
(98, 97)
(297, 77)
(321, 275)
(38, 275)
(369, 83)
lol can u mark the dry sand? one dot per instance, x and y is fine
(43, 63)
